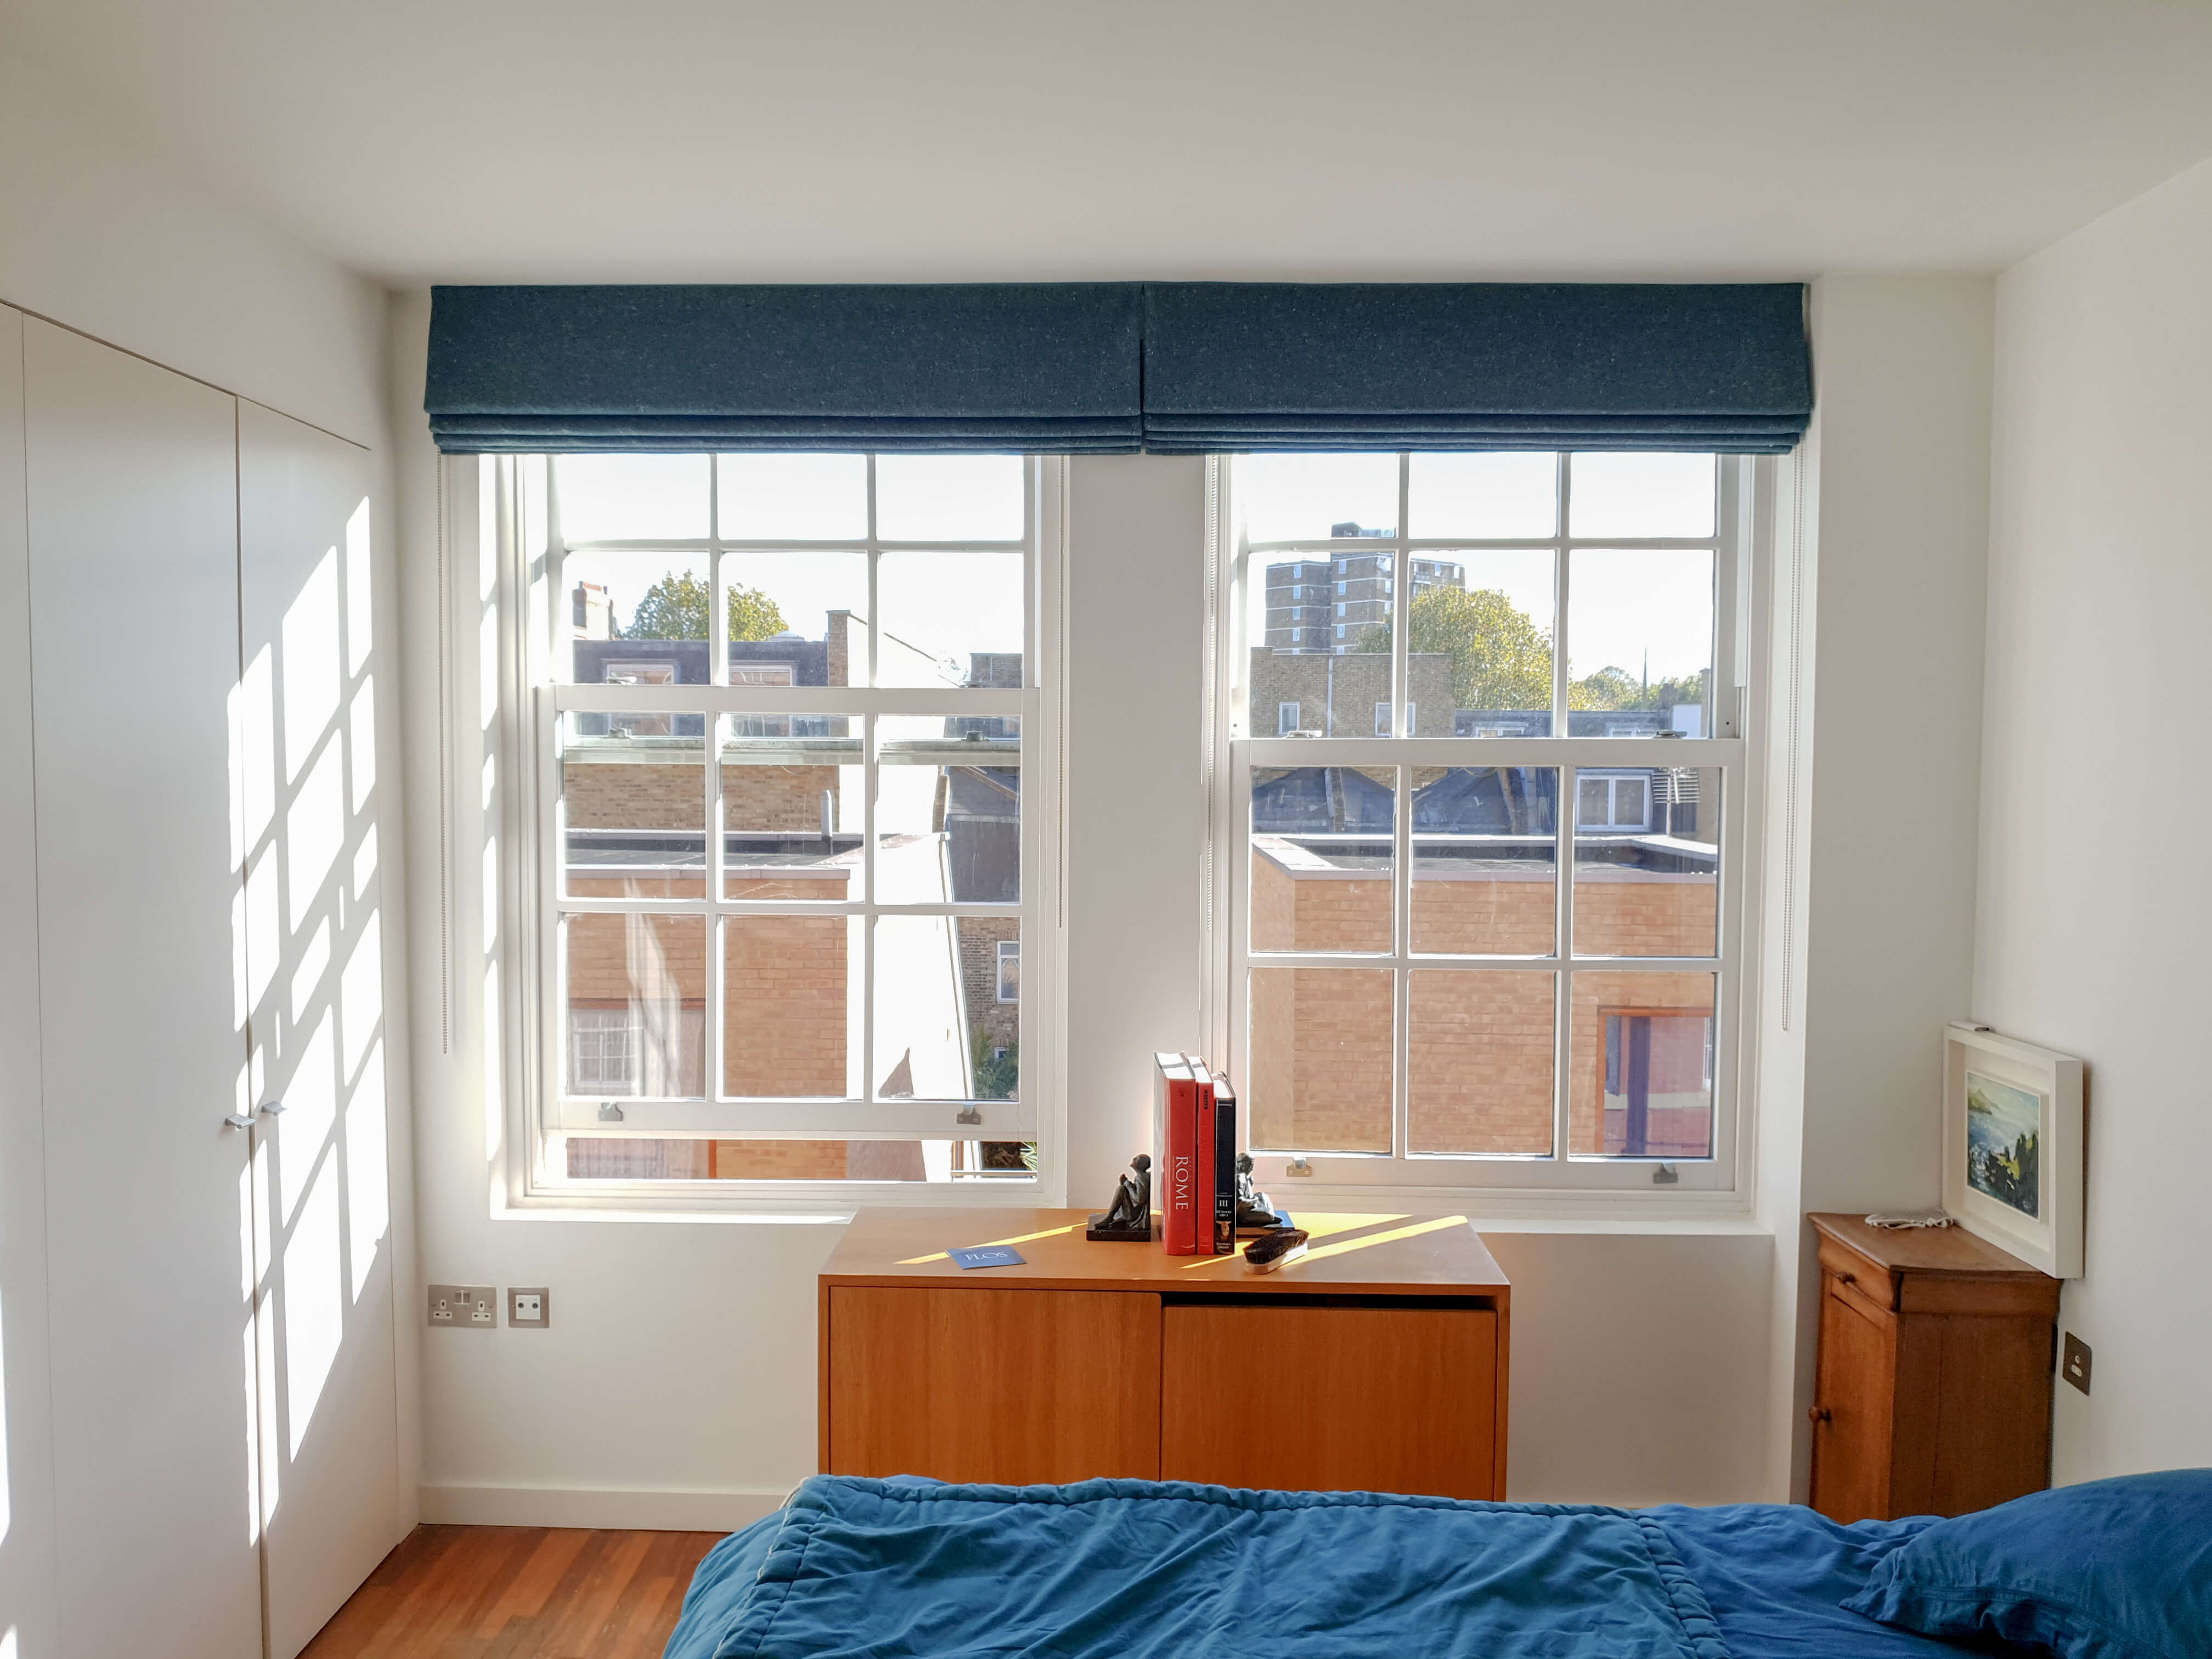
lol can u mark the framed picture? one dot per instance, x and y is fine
(2012, 1147)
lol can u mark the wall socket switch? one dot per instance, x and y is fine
(529, 1308)
(2075, 1366)
(476, 1306)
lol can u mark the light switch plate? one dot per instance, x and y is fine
(474, 1306)
(529, 1307)
(2074, 1366)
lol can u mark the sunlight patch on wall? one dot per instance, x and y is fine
(257, 746)
(358, 635)
(311, 664)
(368, 1190)
(314, 832)
(314, 1303)
(311, 1111)
(361, 994)
(362, 740)
(314, 962)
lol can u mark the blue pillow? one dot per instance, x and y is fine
(2110, 1569)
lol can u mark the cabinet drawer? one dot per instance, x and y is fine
(992, 1385)
(1315, 1397)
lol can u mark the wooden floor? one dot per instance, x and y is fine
(518, 1593)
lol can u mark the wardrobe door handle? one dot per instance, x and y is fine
(237, 1121)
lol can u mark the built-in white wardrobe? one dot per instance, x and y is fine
(196, 1247)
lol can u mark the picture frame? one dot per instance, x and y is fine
(2013, 1147)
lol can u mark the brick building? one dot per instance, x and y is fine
(1481, 1047)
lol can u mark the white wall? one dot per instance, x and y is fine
(98, 234)
(2089, 933)
(1880, 637)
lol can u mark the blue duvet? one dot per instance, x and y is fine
(1145, 1570)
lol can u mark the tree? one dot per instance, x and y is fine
(1500, 658)
(1612, 688)
(675, 608)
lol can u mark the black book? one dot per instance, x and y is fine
(1224, 1166)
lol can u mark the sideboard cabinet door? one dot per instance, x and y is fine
(1015, 1386)
(1312, 1397)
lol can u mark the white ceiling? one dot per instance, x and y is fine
(950, 139)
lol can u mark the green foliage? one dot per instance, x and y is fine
(1613, 688)
(2013, 1178)
(996, 1079)
(676, 608)
(1500, 658)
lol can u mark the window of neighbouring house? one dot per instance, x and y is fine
(778, 713)
(1492, 943)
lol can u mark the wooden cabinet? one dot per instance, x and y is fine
(1377, 1363)
(1932, 1393)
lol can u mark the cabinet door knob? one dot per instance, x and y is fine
(1847, 1279)
(1818, 1415)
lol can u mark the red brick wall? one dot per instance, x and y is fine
(620, 795)
(1481, 1046)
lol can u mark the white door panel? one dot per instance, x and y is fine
(26, 1570)
(132, 516)
(314, 965)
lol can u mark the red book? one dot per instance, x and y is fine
(1176, 1127)
(1202, 1170)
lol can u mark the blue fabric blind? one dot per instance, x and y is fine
(1256, 366)
(1174, 368)
(1046, 366)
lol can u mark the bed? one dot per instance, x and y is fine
(1132, 1569)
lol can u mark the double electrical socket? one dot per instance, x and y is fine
(529, 1308)
(476, 1305)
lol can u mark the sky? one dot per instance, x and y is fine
(938, 606)
(1623, 603)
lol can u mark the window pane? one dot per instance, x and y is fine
(1639, 641)
(1485, 859)
(1307, 498)
(1325, 625)
(950, 619)
(635, 1006)
(1489, 497)
(793, 498)
(1320, 1066)
(791, 996)
(1647, 862)
(1630, 493)
(633, 796)
(949, 498)
(594, 1158)
(941, 1033)
(1642, 1046)
(948, 810)
(636, 618)
(631, 498)
(797, 618)
(991, 1000)
(1481, 644)
(1478, 1059)
(1321, 858)
(791, 806)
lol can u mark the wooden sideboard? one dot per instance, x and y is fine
(1933, 1389)
(1376, 1363)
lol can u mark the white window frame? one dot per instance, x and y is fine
(1009, 950)
(1560, 1182)
(528, 631)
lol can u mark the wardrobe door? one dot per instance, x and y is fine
(132, 516)
(315, 952)
(27, 1568)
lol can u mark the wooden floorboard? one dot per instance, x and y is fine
(518, 1593)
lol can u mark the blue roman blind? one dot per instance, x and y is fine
(1259, 365)
(1050, 366)
(1077, 367)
